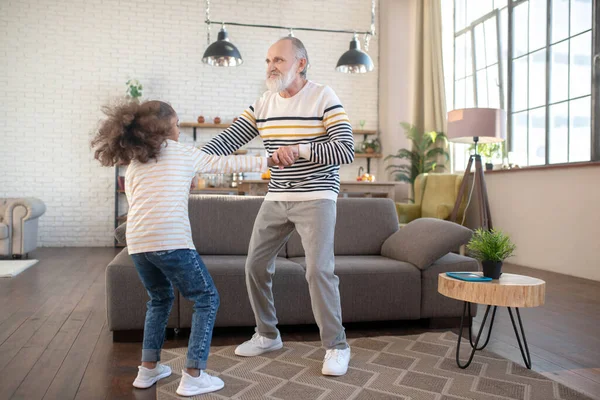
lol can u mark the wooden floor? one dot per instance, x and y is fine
(54, 343)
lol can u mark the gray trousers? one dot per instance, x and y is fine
(315, 222)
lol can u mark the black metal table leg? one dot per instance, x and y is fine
(474, 347)
(527, 359)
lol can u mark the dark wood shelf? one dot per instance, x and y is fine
(204, 125)
(364, 131)
(368, 155)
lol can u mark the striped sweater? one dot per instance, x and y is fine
(315, 120)
(158, 192)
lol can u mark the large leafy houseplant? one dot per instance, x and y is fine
(426, 151)
(491, 247)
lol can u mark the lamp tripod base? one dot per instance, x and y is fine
(485, 216)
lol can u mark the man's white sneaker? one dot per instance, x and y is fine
(336, 362)
(148, 377)
(258, 345)
(204, 383)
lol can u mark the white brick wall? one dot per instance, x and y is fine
(61, 60)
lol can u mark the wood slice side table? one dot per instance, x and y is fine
(510, 291)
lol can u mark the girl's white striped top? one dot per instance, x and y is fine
(315, 120)
(158, 192)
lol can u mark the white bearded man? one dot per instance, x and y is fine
(307, 132)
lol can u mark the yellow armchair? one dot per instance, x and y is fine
(435, 195)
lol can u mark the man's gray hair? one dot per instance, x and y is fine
(300, 52)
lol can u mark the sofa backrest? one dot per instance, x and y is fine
(362, 225)
(222, 225)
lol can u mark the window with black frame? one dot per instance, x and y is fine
(534, 59)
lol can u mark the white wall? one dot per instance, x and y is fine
(62, 59)
(551, 215)
(396, 49)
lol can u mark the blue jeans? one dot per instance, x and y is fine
(184, 269)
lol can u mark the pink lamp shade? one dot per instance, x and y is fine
(487, 124)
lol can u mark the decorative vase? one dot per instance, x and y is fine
(492, 269)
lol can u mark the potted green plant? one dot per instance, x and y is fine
(491, 247)
(134, 89)
(488, 151)
(371, 146)
(423, 157)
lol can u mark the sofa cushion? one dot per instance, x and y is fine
(290, 293)
(424, 240)
(3, 231)
(222, 225)
(362, 225)
(435, 305)
(126, 297)
(375, 288)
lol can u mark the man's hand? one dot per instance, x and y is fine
(286, 155)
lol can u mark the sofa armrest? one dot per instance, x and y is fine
(408, 212)
(444, 211)
(34, 208)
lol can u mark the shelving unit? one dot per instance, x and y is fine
(368, 156)
(196, 125)
(119, 195)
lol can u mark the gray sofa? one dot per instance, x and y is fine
(374, 286)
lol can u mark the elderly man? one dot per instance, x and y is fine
(307, 132)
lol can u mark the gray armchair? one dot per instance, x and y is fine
(19, 225)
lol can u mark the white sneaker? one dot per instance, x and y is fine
(204, 383)
(336, 362)
(147, 377)
(258, 345)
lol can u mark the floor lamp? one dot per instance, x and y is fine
(473, 126)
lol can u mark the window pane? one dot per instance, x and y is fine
(480, 50)
(460, 15)
(559, 133)
(537, 79)
(493, 88)
(469, 92)
(459, 94)
(537, 24)
(459, 56)
(482, 89)
(520, 83)
(581, 16)
(520, 29)
(499, 4)
(581, 65)
(477, 9)
(559, 72)
(504, 47)
(469, 54)
(560, 20)
(519, 138)
(579, 130)
(537, 136)
(491, 41)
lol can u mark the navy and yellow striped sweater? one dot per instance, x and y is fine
(315, 120)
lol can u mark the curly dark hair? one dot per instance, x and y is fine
(132, 131)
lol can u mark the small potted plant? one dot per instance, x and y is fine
(134, 89)
(371, 146)
(488, 151)
(491, 247)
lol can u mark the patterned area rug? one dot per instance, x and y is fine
(419, 367)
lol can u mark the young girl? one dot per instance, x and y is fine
(157, 184)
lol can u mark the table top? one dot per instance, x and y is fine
(510, 290)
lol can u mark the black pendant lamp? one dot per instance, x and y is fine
(355, 61)
(222, 53)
